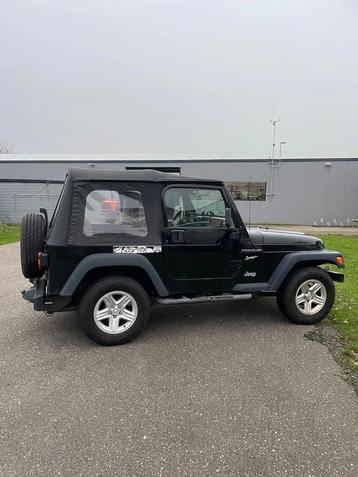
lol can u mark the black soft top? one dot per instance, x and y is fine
(143, 175)
(67, 222)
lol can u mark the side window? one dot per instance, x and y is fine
(190, 207)
(247, 190)
(112, 212)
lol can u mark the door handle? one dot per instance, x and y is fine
(178, 236)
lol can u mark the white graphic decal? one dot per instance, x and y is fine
(250, 274)
(138, 249)
(250, 257)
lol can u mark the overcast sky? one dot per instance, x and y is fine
(170, 76)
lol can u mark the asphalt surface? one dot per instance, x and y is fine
(228, 389)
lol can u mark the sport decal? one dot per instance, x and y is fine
(138, 249)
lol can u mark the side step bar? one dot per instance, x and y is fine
(199, 299)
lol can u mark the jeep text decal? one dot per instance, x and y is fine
(138, 249)
(250, 274)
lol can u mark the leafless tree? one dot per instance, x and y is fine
(4, 148)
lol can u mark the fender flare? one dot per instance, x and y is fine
(292, 259)
(98, 260)
(286, 265)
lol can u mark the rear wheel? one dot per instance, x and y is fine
(307, 297)
(114, 310)
(33, 229)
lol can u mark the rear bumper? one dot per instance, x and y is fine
(36, 295)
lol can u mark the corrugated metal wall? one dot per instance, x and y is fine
(304, 191)
(18, 199)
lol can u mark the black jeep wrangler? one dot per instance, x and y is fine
(119, 241)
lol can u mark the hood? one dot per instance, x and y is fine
(285, 240)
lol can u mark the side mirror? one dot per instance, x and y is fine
(228, 218)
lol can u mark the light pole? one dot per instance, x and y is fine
(274, 123)
(281, 144)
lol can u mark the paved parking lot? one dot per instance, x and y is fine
(223, 389)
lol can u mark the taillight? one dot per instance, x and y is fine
(113, 205)
(42, 260)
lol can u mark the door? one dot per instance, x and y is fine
(201, 253)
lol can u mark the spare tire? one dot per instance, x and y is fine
(33, 229)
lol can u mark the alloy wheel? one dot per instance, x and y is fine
(311, 297)
(115, 312)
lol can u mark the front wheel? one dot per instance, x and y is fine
(114, 310)
(308, 296)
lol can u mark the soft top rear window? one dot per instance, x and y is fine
(112, 212)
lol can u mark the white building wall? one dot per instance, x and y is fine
(304, 191)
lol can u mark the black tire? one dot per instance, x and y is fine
(32, 235)
(93, 295)
(286, 296)
(280, 301)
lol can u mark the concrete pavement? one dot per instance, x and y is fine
(229, 389)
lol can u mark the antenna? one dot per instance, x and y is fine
(249, 194)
